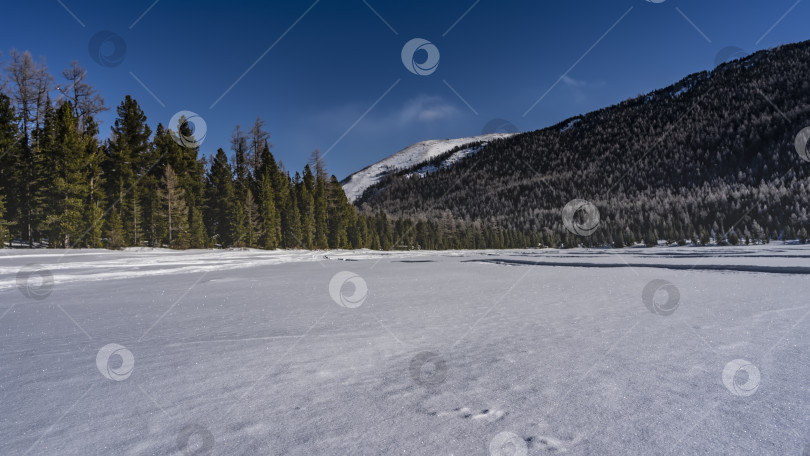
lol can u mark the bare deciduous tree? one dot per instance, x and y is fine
(22, 71)
(258, 138)
(30, 84)
(87, 102)
(317, 163)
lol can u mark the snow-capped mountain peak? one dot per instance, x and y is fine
(356, 184)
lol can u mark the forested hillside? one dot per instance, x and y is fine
(711, 156)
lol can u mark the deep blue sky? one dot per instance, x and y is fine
(340, 58)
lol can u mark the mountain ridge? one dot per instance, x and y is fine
(698, 156)
(418, 153)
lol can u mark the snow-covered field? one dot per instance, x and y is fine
(638, 351)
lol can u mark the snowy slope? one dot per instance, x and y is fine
(357, 183)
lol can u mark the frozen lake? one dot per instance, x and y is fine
(634, 351)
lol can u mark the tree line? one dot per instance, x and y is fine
(62, 186)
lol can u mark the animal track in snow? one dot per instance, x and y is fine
(551, 444)
(488, 415)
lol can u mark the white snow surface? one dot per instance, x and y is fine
(556, 347)
(413, 155)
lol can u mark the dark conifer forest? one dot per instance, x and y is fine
(61, 186)
(708, 159)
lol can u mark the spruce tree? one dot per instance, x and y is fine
(197, 233)
(128, 150)
(8, 140)
(154, 220)
(68, 189)
(306, 205)
(291, 222)
(269, 180)
(220, 198)
(268, 214)
(114, 231)
(190, 171)
(4, 235)
(94, 210)
(320, 204)
(340, 214)
(174, 203)
(253, 225)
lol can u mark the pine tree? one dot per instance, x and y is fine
(174, 200)
(253, 225)
(128, 150)
(339, 215)
(281, 187)
(320, 204)
(114, 231)
(220, 198)
(306, 205)
(8, 140)
(68, 190)
(291, 222)
(238, 222)
(268, 214)
(198, 236)
(94, 211)
(153, 205)
(3, 224)
(191, 174)
(270, 180)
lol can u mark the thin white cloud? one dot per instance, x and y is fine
(578, 88)
(426, 109)
(576, 83)
(422, 109)
(571, 82)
